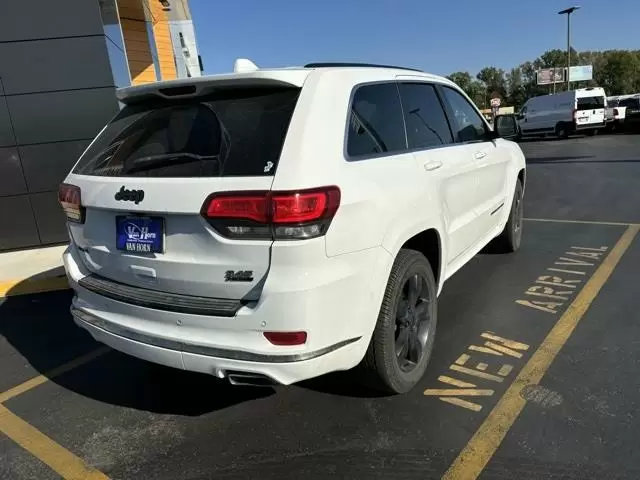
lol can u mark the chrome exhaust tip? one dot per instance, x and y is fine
(246, 379)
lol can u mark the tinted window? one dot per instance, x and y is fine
(375, 121)
(590, 103)
(424, 116)
(233, 133)
(467, 123)
(630, 102)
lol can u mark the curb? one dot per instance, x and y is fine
(11, 288)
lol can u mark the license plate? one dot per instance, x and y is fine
(583, 119)
(140, 234)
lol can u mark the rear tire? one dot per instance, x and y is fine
(402, 340)
(509, 240)
(562, 131)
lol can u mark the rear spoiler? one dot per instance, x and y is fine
(194, 87)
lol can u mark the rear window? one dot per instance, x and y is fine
(236, 132)
(590, 103)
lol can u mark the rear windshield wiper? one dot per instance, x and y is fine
(151, 162)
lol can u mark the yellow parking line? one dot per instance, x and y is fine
(40, 379)
(9, 288)
(585, 222)
(65, 463)
(484, 443)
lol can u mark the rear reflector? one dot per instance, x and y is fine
(273, 215)
(70, 198)
(286, 338)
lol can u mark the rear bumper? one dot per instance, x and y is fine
(590, 126)
(283, 369)
(336, 310)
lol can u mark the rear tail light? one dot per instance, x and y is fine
(575, 111)
(286, 338)
(273, 215)
(70, 199)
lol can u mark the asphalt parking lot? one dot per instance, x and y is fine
(534, 373)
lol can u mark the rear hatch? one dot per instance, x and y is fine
(145, 182)
(590, 111)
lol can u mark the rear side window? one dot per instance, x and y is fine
(236, 132)
(424, 116)
(590, 103)
(375, 121)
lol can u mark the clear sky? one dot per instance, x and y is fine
(434, 35)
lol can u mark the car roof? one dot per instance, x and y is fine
(286, 76)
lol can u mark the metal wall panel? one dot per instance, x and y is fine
(57, 64)
(6, 132)
(56, 93)
(61, 116)
(49, 217)
(42, 19)
(45, 165)
(18, 225)
(11, 177)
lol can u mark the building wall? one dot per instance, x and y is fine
(56, 92)
(185, 50)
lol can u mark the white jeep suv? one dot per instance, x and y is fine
(269, 226)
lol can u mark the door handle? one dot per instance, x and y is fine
(436, 164)
(479, 155)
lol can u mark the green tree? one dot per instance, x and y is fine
(473, 88)
(618, 72)
(516, 93)
(462, 79)
(494, 80)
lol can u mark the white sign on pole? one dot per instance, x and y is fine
(495, 102)
(581, 73)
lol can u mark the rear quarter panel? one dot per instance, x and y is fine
(376, 193)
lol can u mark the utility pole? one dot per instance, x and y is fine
(568, 12)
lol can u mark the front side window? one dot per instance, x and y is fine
(424, 116)
(467, 123)
(235, 133)
(375, 121)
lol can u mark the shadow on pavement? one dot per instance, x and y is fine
(343, 384)
(42, 331)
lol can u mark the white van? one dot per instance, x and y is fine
(565, 113)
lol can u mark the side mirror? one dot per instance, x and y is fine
(505, 126)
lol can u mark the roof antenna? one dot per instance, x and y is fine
(243, 65)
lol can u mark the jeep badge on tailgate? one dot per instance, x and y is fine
(129, 195)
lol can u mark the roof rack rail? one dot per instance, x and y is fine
(347, 64)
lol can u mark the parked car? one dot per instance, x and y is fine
(563, 114)
(269, 226)
(631, 108)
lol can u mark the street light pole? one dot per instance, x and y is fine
(568, 12)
